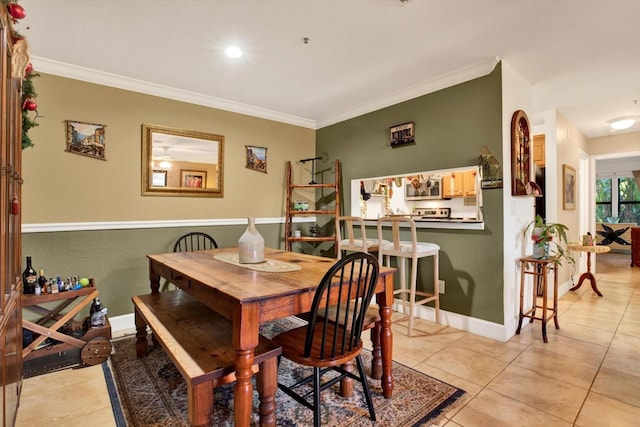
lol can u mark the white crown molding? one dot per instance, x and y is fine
(132, 225)
(113, 80)
(460, 76)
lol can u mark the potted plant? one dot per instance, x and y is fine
(543, 234)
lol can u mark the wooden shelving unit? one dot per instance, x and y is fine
(291, 213)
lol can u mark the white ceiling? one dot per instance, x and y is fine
(581, 56)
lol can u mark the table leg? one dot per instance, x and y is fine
(154, 279)
(245, 340)
(142, 345)
(521, 311)
(588, 275)
(385, 300)
(555, 296)
(376, 352)
(267, 385)
(544, 303)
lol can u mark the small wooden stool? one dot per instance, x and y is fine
(539, 268)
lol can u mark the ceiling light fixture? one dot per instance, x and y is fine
(233, 52)
(622, 123)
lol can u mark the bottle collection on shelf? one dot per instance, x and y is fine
(39, 284)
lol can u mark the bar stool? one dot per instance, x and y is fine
(352, 242)
(413, 250)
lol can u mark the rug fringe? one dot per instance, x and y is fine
(435, 416)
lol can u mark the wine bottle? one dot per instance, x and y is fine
(96, 306)
(54, 285)
(29, 278)
(42, 281)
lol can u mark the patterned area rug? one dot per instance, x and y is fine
(152, 392)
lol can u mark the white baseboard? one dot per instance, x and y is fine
(459, 321)
(496, 331)
(122, 323)
(126, 322)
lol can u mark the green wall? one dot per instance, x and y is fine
(451, 126)
(116, 259)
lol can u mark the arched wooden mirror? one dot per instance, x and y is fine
(177, 162)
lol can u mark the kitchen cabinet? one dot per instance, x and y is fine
(538, 150)
(452, 185)
(469, 183)
(460, 184)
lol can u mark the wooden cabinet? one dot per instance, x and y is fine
(10, 234)
(539, 150)
(460, 184)
(470, 183)
(452, 185)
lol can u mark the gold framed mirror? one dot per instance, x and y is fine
(177, 162)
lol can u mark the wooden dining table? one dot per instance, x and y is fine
(250, 295)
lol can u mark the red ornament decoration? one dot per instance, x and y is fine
(16, 11)
(29, 69)
(15, 206)
(29, 105)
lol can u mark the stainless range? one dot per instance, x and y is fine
(433, 214)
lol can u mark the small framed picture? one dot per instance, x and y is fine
(256, 158)
(193, 179)
(159, 178)
(86, 139)
(402, 134)
(568, 188)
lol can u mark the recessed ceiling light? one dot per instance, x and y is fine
(233, 52)
(622, 122)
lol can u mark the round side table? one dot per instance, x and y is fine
(588, 275)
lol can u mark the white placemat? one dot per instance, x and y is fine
(267, 266)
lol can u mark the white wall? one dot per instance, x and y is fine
(519, 210)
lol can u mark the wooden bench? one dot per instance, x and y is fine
(199, 342)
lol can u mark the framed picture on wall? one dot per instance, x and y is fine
(568, 188)
(159, 178)
(86, 139)
(256, 158)
(402, 134)
(193, 179)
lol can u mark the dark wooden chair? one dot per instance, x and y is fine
(328, 342)
(194, 241)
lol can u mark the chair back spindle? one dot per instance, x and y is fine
(351, 282)
(194, 241)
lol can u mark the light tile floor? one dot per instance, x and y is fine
(588, 375)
